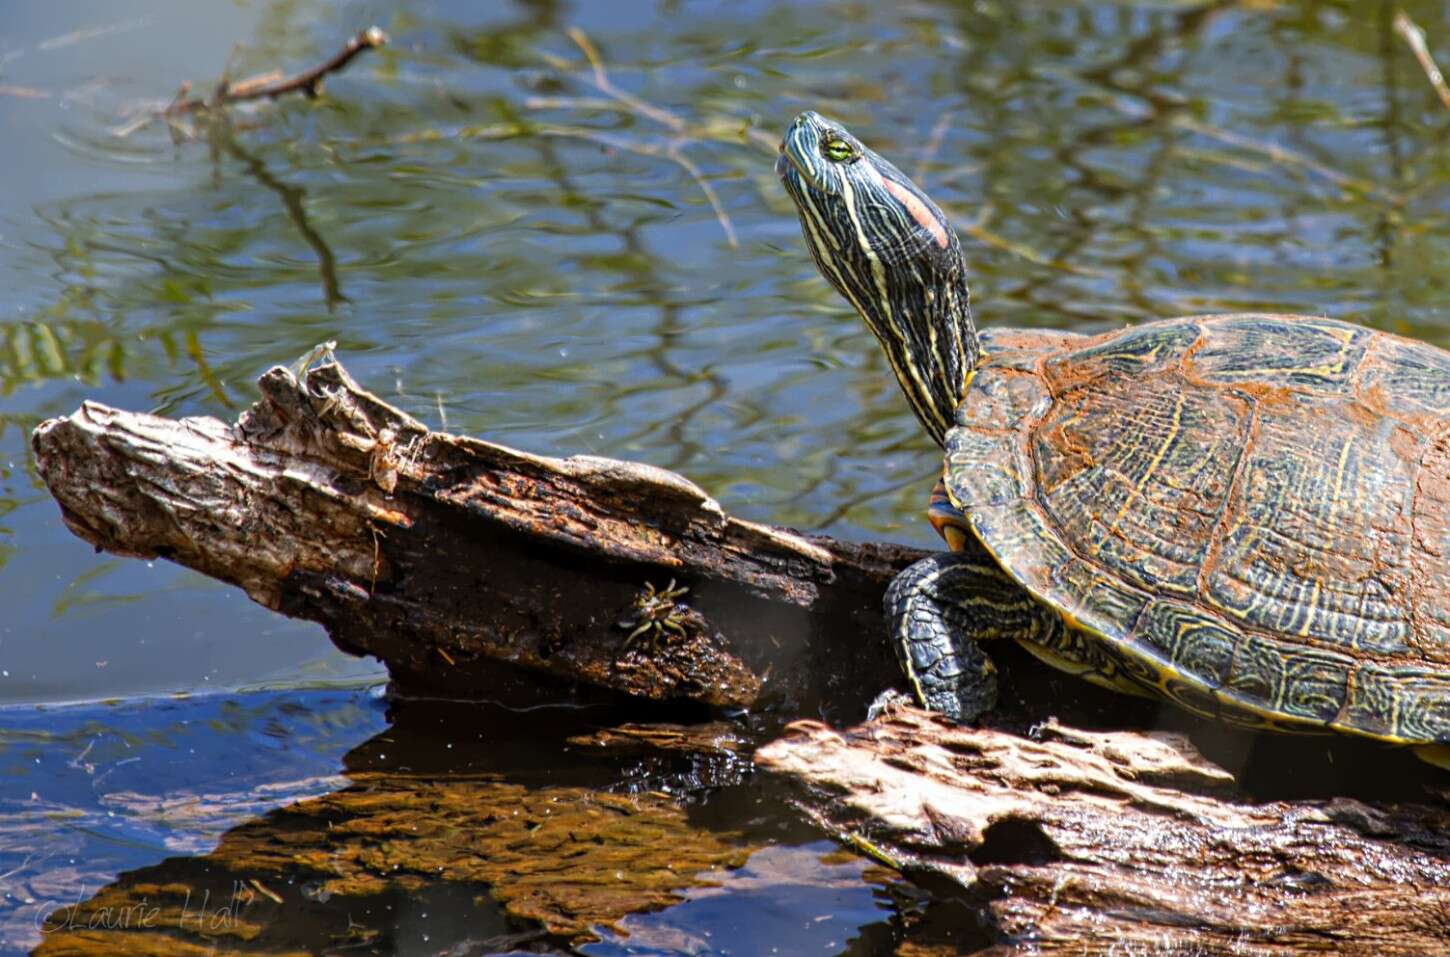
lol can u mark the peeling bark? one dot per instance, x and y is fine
(442, 554)
(1070, 843)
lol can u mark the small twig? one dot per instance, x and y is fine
(262, 84)
(78, 36)
(181, 94)
(602, 81)
(1284, 156)
(618, 98)
(933, 143)
(273, 84)
(1415, 37)
(634, 103)
(23, 92)
(571, 103)
(977, 229)
(676, 153)
(226, 75)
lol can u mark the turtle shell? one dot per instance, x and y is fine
(1247, 514)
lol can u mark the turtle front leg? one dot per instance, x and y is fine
(940, 609)
(930, 611)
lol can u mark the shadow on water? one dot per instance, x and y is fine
(503, 246)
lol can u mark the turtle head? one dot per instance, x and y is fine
(892, 253)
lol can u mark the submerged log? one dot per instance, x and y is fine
(1068, 843)
(441, 554)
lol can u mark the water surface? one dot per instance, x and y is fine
(502, 246)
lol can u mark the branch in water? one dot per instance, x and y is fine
(271, 85)
(1415, 37)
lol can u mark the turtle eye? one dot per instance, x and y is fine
(838, 149)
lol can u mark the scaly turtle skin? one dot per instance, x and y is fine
(1248, 515)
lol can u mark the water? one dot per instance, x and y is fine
(499, 246)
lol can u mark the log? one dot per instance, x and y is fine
(442, 555)
(1069, 843)
(453, 560)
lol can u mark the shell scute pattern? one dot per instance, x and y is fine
(1022, 530)
(1286, 679)
(1142, 493)
(1194, 646)
(1279, 487)
(1403, 380)
(1414, 705)
(1291, 351)
(988, 463)
(1430, 578)
(1319, 543)
(1106, 602)
(1022, 348)
(1003, 395)
(1137, 352)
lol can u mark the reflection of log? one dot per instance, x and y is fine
(439, 554)
(1077, 844)
(362, 867)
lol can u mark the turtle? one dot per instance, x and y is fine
(1247, 515)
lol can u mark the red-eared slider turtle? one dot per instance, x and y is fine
(1248, 515)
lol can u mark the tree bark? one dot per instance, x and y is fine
(1069, 843)
(441, 554)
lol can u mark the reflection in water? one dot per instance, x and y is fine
(223, 138)
(456, 829)
(529, 255)
(335, 869)
(786, 900)
(310, 821)
(94, 790)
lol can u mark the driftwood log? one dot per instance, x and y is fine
(1071, 843)
(445, 556)
(441, 554)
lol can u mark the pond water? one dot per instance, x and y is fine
(503, 246)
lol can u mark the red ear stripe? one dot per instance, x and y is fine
(918, 211)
